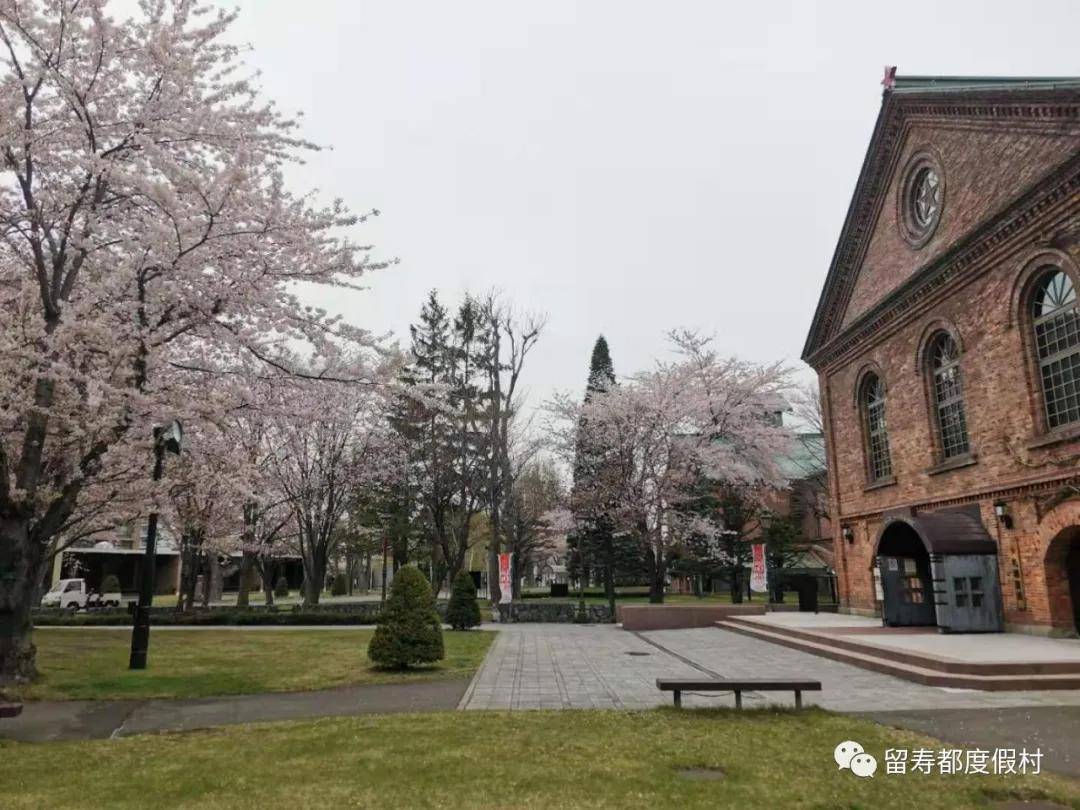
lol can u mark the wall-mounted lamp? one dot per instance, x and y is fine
(848, 534)
(1001, 511)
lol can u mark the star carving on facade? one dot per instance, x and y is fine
(927, 197)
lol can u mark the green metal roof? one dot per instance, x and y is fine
(922, 84)
(806, 457)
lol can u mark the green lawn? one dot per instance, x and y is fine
(596, 759)
(92, 664)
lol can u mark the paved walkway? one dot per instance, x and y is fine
(533, 666)
(580, 667)
(99, 719)
(970, 647)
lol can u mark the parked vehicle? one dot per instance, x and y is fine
(74, 594)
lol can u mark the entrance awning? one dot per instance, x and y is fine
(952, 531)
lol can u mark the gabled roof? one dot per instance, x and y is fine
(805, 459)
(1048, 99)
(951, 84)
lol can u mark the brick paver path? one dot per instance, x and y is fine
(534, 666)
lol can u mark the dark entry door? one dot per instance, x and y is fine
(1072, 566)
(907, 590)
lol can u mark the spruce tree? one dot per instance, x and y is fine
(439, 417)
(594, 544)
(463, 612)
(409, 630)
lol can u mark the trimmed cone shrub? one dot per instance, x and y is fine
(409, 630)
(281, 587)
(463, 612)
(340, 586)
(111, 584)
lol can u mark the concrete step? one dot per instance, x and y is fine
(853, 644)
(879, 662)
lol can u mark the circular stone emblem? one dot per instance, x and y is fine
(921, 198)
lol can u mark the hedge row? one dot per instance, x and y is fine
(357, 613)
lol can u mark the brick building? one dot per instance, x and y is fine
(947, 345)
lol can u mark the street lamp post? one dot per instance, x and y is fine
(165, 439)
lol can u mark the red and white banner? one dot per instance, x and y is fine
(759, 581)
(506, 582)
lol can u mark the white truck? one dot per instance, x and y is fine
(74, 594)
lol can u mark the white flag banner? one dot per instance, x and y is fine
(759, 579)
(506, 581)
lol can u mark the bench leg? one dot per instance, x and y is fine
(738, 699)
(678, 699)
(798, 698)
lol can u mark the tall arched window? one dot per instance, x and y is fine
(947, 385)
(1056, 322)
(877, 433)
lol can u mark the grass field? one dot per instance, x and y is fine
(92, 664)
(564, 759)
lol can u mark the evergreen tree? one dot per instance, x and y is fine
(439, 419)
(409, 630)
(783, 547)
(594, 544)
(463, 612)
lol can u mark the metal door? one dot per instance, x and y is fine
(908, 593)
(970, 594)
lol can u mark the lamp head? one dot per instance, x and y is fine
(170, 436)
(1001, 512)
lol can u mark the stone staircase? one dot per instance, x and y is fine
(925, 669)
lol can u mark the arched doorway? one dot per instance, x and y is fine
(1063, 579)
(906, 580)
(940, 568)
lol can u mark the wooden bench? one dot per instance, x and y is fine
(680, 685)
(10, 710)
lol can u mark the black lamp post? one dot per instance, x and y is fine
(165, 439)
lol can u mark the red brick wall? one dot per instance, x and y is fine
(1003, 407)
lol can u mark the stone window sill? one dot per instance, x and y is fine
(957, 463)
(881, 484)
(1054, 436)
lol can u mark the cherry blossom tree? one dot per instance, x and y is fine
(699, 418)
(148, 248)
(333, 443)
(206, 491)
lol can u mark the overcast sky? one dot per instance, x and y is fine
(625, 167)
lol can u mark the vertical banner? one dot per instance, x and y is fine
(759, 582)
(506, 583)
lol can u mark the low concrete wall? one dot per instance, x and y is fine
(678, 617)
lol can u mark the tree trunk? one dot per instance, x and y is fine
(211, 580)
(20, 558)
(736, 586)
(493, 573)
(247, 563)
(655, 560)
(266, 572)
(515, 576)
(609, 572)
(314, 575)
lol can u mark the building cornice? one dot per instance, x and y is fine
(1004, 492)
(1019, 109)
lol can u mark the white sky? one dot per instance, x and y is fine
(624, 166)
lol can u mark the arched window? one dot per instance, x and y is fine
(947, 385)
(1056, 322)
(877, 433)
